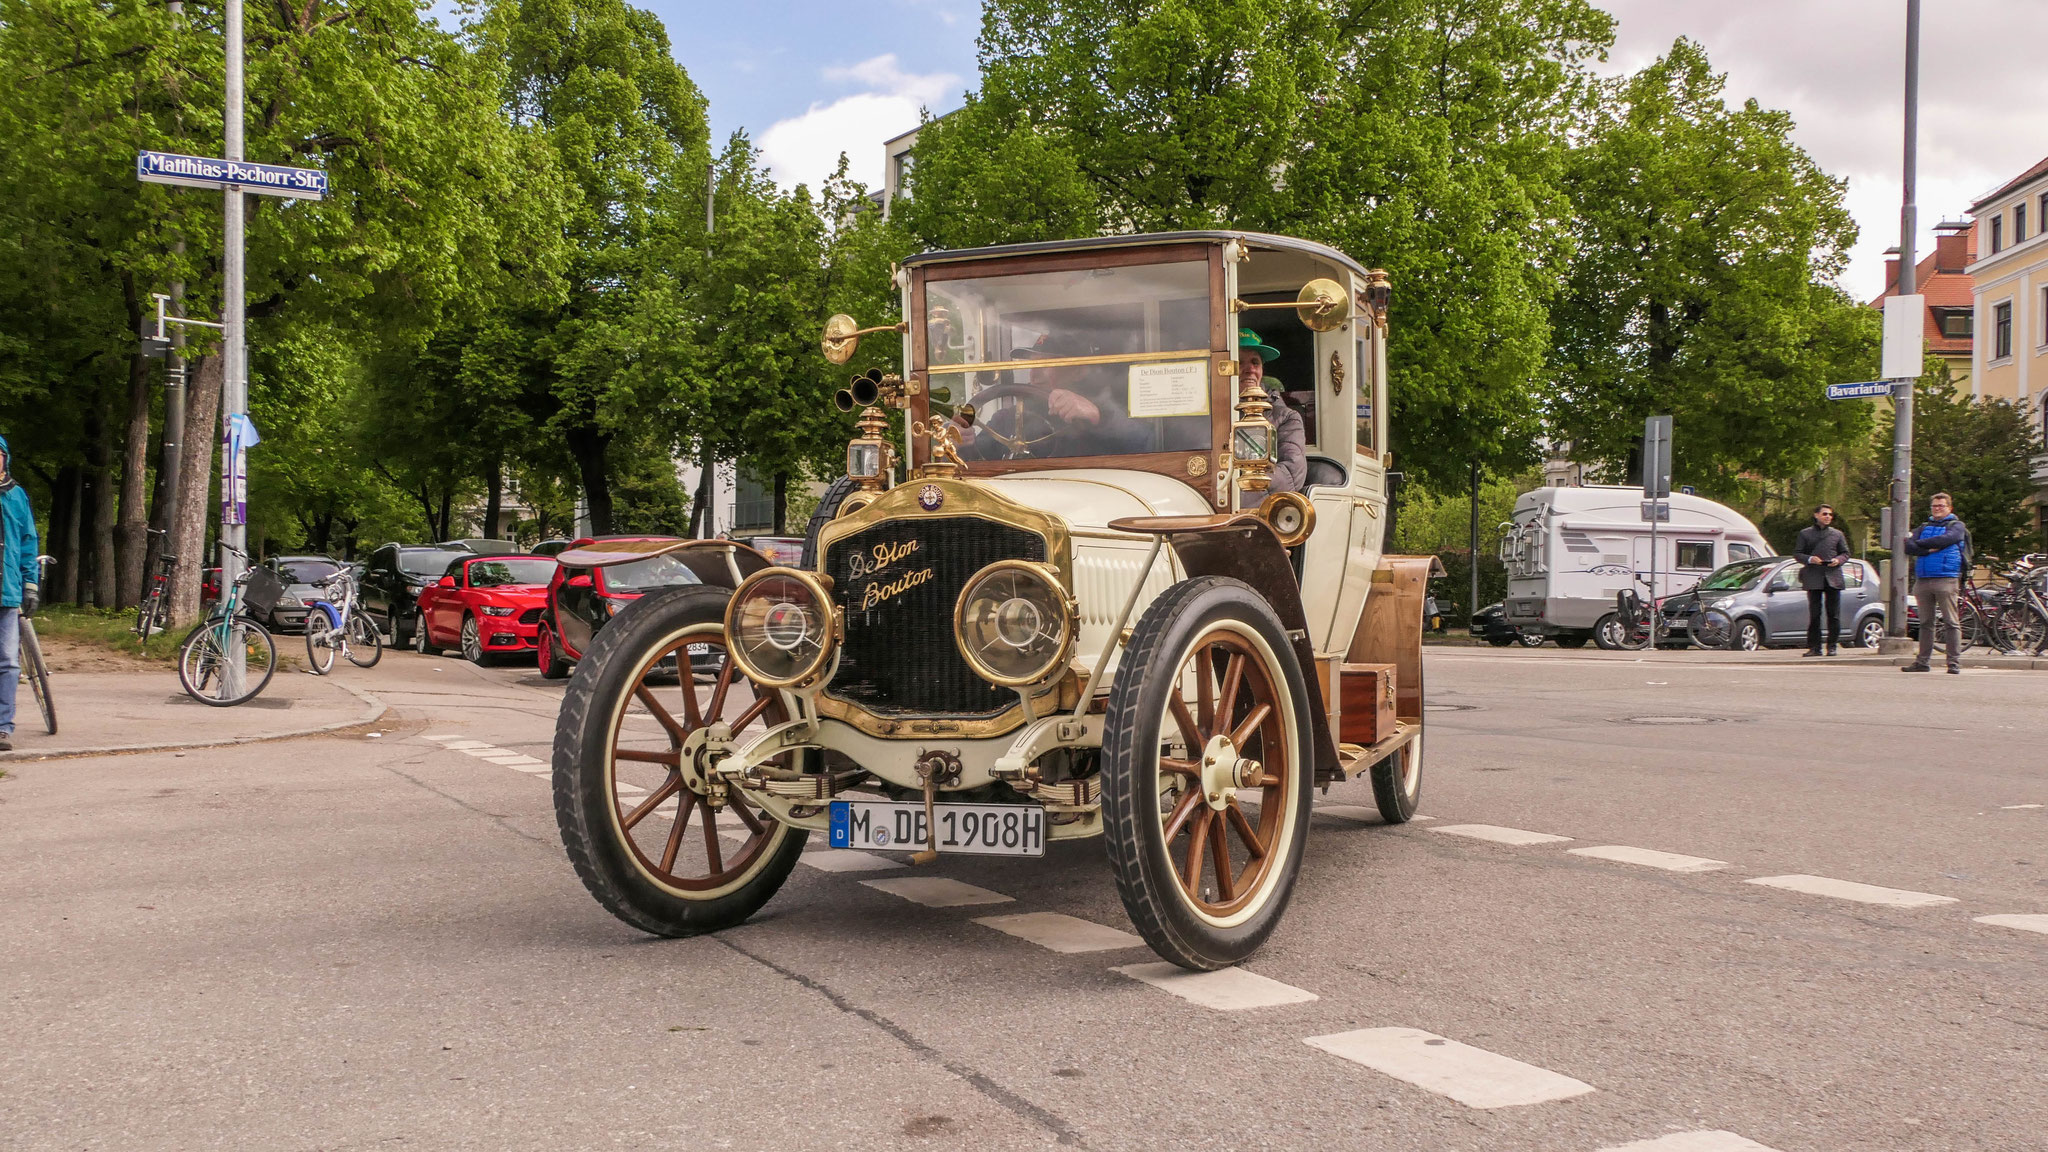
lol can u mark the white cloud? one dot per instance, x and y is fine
(805, 149)
(1838, 66)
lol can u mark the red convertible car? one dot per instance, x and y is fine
(487, 606)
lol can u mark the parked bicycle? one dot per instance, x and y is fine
(33, 669)
(2022, 624)
(1636, 623)
(154, 613)
(207, 665)
(334, 625)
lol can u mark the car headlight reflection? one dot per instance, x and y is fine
(779, 627)
(1014, 623)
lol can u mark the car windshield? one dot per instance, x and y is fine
(510, 570)
(1735, 577)
(427, 563)
(1140, 334)
(307, 571)
(653, 572)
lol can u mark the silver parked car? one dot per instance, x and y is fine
(1766, 605)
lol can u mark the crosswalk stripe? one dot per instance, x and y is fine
(1226, 989)
(937, 891)
(2033, 922)
(846, 860)
(1850, 890)
(463, 745)
(444, 736)
(1058, 932)
(1472, 1076)
(1715, 1141)
(1668, 861)
(1499, 835)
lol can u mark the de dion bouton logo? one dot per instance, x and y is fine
(929, 498)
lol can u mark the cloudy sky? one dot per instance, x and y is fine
(809, 79)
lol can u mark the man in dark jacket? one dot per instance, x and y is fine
(1937, 576)
(1821, 551)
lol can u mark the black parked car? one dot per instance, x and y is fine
(301, 576)
(1490, 624)
(392, 580)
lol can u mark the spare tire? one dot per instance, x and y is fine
(828, 508)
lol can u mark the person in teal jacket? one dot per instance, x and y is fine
(19, 592)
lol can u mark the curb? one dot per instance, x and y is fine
(373, 710)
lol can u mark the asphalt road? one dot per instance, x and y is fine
(376, 942)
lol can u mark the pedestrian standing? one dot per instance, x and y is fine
(1821, 550)
(1940, 548)
(18, 591)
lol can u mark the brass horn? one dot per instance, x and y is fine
(860, 392)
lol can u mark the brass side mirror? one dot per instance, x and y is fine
(843, 333)
(1322, 304)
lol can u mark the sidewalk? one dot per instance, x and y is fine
(142, 710)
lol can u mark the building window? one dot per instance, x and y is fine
(753, 505)
(2001, 330)
(2019, 223)
(1997, 234)
(1955, 322)
(2043, 314)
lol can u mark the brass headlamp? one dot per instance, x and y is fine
(1251, 439)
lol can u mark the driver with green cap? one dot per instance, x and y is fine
(1290, 438)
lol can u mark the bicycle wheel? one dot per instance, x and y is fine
(149, 618)
(203, 667)
(365, 646)
(321, 641)
(1712, 628)
(2024, 629)
(38, 674)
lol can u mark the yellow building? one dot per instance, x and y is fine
(2010, 279)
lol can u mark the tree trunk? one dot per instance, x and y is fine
(781, 503)
(448, 513)
(195, 481)
(100, 475)
(64, 532)
(494, 499)
(701, 518)
(131, 539)
(588, 447)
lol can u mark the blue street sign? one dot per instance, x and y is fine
(203, 172)
(1859, 390)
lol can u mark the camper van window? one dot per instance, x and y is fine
(1696, 554)
(1740, 552)
(1735, 577)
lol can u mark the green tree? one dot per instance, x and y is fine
(1705, 240)
(1980, 452)
(1423, 136)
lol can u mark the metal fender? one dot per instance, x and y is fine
(332, 613)
(1390, 628)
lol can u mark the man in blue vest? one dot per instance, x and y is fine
(1940, 547)
(18, 591)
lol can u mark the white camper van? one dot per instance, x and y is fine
(1568, 551)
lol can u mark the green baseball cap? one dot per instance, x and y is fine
(1246, 338)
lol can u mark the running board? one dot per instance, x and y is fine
(1354, 759)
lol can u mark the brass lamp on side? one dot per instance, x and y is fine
(1251, 439)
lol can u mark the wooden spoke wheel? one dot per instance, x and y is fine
(1206, 778)
(650, 830)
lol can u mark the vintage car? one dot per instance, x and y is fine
(1079, 609)
(486, 606)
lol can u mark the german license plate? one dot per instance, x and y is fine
(968, 829)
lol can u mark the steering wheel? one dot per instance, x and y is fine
(1034, 421)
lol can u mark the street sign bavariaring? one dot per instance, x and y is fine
(1859, 390)
(206, 172)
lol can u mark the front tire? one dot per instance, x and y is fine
(548, 654)
(473, 643)
(203, 661)
(321, 641)
(37, 673)
(364, 638)
(1570, 641)
(626, 851)
(1748, 636)
(1174, 768)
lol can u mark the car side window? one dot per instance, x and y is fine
(1852, 575)
(1787, 577)
(1740, 552)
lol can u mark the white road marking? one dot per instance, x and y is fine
(1669, 861)
(1849, 890)
(2034, 922)
(846, 860)
(2015, 807)
(1498, 835)
(1472, 1076)
(1226, 989)
(1716, 1141)
(1061, 933)
(463, 745)
(937, 891)
(1358, 812)
(501, 756)
(444, 736)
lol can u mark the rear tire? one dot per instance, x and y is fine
(202, 661)
(1607, 633)
(1870, 633)
(1570, 641)
(422, 640)
(834, 495)
(1397, 783)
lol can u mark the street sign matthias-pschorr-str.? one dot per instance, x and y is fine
(1859, 390)
(205, 172)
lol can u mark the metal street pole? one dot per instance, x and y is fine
(1472, 605)
(235, 382)
(1902, 391)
